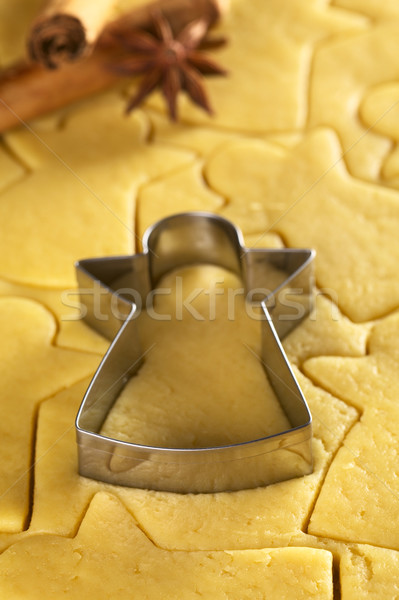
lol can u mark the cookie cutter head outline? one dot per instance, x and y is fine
(177, 241)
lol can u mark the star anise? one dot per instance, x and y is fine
(170, 62)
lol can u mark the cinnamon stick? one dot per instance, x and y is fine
(65, 29)
(29, 90)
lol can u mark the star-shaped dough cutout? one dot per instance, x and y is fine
(367, 381)
(318, 206)
(326, 331)
(109, 541)
(359, 500)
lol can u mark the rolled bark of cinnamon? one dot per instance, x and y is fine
(66, 29)
(28, 91)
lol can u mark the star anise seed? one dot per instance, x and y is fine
(170, 62)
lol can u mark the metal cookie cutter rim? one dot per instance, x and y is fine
(181, 240)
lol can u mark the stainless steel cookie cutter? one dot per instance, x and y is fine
(181, 240)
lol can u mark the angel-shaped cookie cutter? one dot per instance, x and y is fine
(177, 241)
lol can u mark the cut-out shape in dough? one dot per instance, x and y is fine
(178, 521)
(72, 332)
(369, 573)
(319, 205)
(110, 541)
(359, 500)
(31, 369)
(344, 70)
(270, 51)
(79, 199)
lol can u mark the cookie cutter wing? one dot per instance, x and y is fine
(113, 291)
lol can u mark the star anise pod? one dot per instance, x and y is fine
(170, 62)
